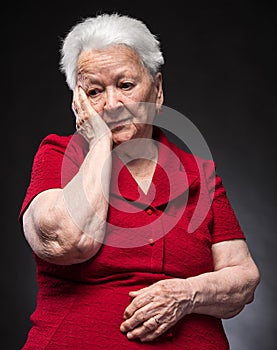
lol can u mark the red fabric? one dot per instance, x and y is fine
(81, 306)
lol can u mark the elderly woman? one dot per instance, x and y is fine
(117, 266)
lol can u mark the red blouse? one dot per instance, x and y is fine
(148, 238)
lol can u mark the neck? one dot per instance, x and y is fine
(137, 150)
(140, 156)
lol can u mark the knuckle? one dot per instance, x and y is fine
(148, 327)
(160, 289)
(160, 286)
(158, 331)
(136, 303)
(139, 317)
(128, 324)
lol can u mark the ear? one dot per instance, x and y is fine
(159, 90)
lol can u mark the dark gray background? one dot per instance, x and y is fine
(220, 72)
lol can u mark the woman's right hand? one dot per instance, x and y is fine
(88, 122)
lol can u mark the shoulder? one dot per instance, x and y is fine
(55, 151)
(55, 140)
(193, 163)
(62, 143)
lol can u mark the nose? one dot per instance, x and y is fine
(112, 99)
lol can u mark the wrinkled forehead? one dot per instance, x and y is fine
(109, 59)
(109, 54)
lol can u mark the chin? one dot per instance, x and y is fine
(119, 138)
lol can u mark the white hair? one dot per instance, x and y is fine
(107, 30)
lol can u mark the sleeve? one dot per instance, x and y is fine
(56, 161)
(225, 224)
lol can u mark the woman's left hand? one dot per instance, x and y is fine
(157, 308)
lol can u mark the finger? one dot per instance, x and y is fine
(85, 104)
(150, 336)
(136, 304)
(74, 102)
(135, 293)
(89, 113)
(148, 331)
(142, 315)
(81, 106)
(147, 327)
(76, 108)
(140, 298)
(80, 103)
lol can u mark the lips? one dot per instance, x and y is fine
(119, 125)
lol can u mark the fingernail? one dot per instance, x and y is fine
(122, 328)
(130, 336)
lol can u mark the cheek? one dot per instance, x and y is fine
(97, 104)
(146, 113)
(144, 92)
(146, 95)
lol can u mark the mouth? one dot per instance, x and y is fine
(119, 125)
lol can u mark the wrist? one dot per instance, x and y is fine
(105, 142)
(95, 131)
(193, 289)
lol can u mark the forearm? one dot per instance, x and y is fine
(86, 196)
(223, 293)
(67, 226)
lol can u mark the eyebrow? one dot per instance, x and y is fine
(92, 79)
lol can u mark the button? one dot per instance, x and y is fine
(151, 241)
(149, 211)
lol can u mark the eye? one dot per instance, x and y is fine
(93, 92)
(126, 85)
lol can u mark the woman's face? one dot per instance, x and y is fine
(121, 90)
